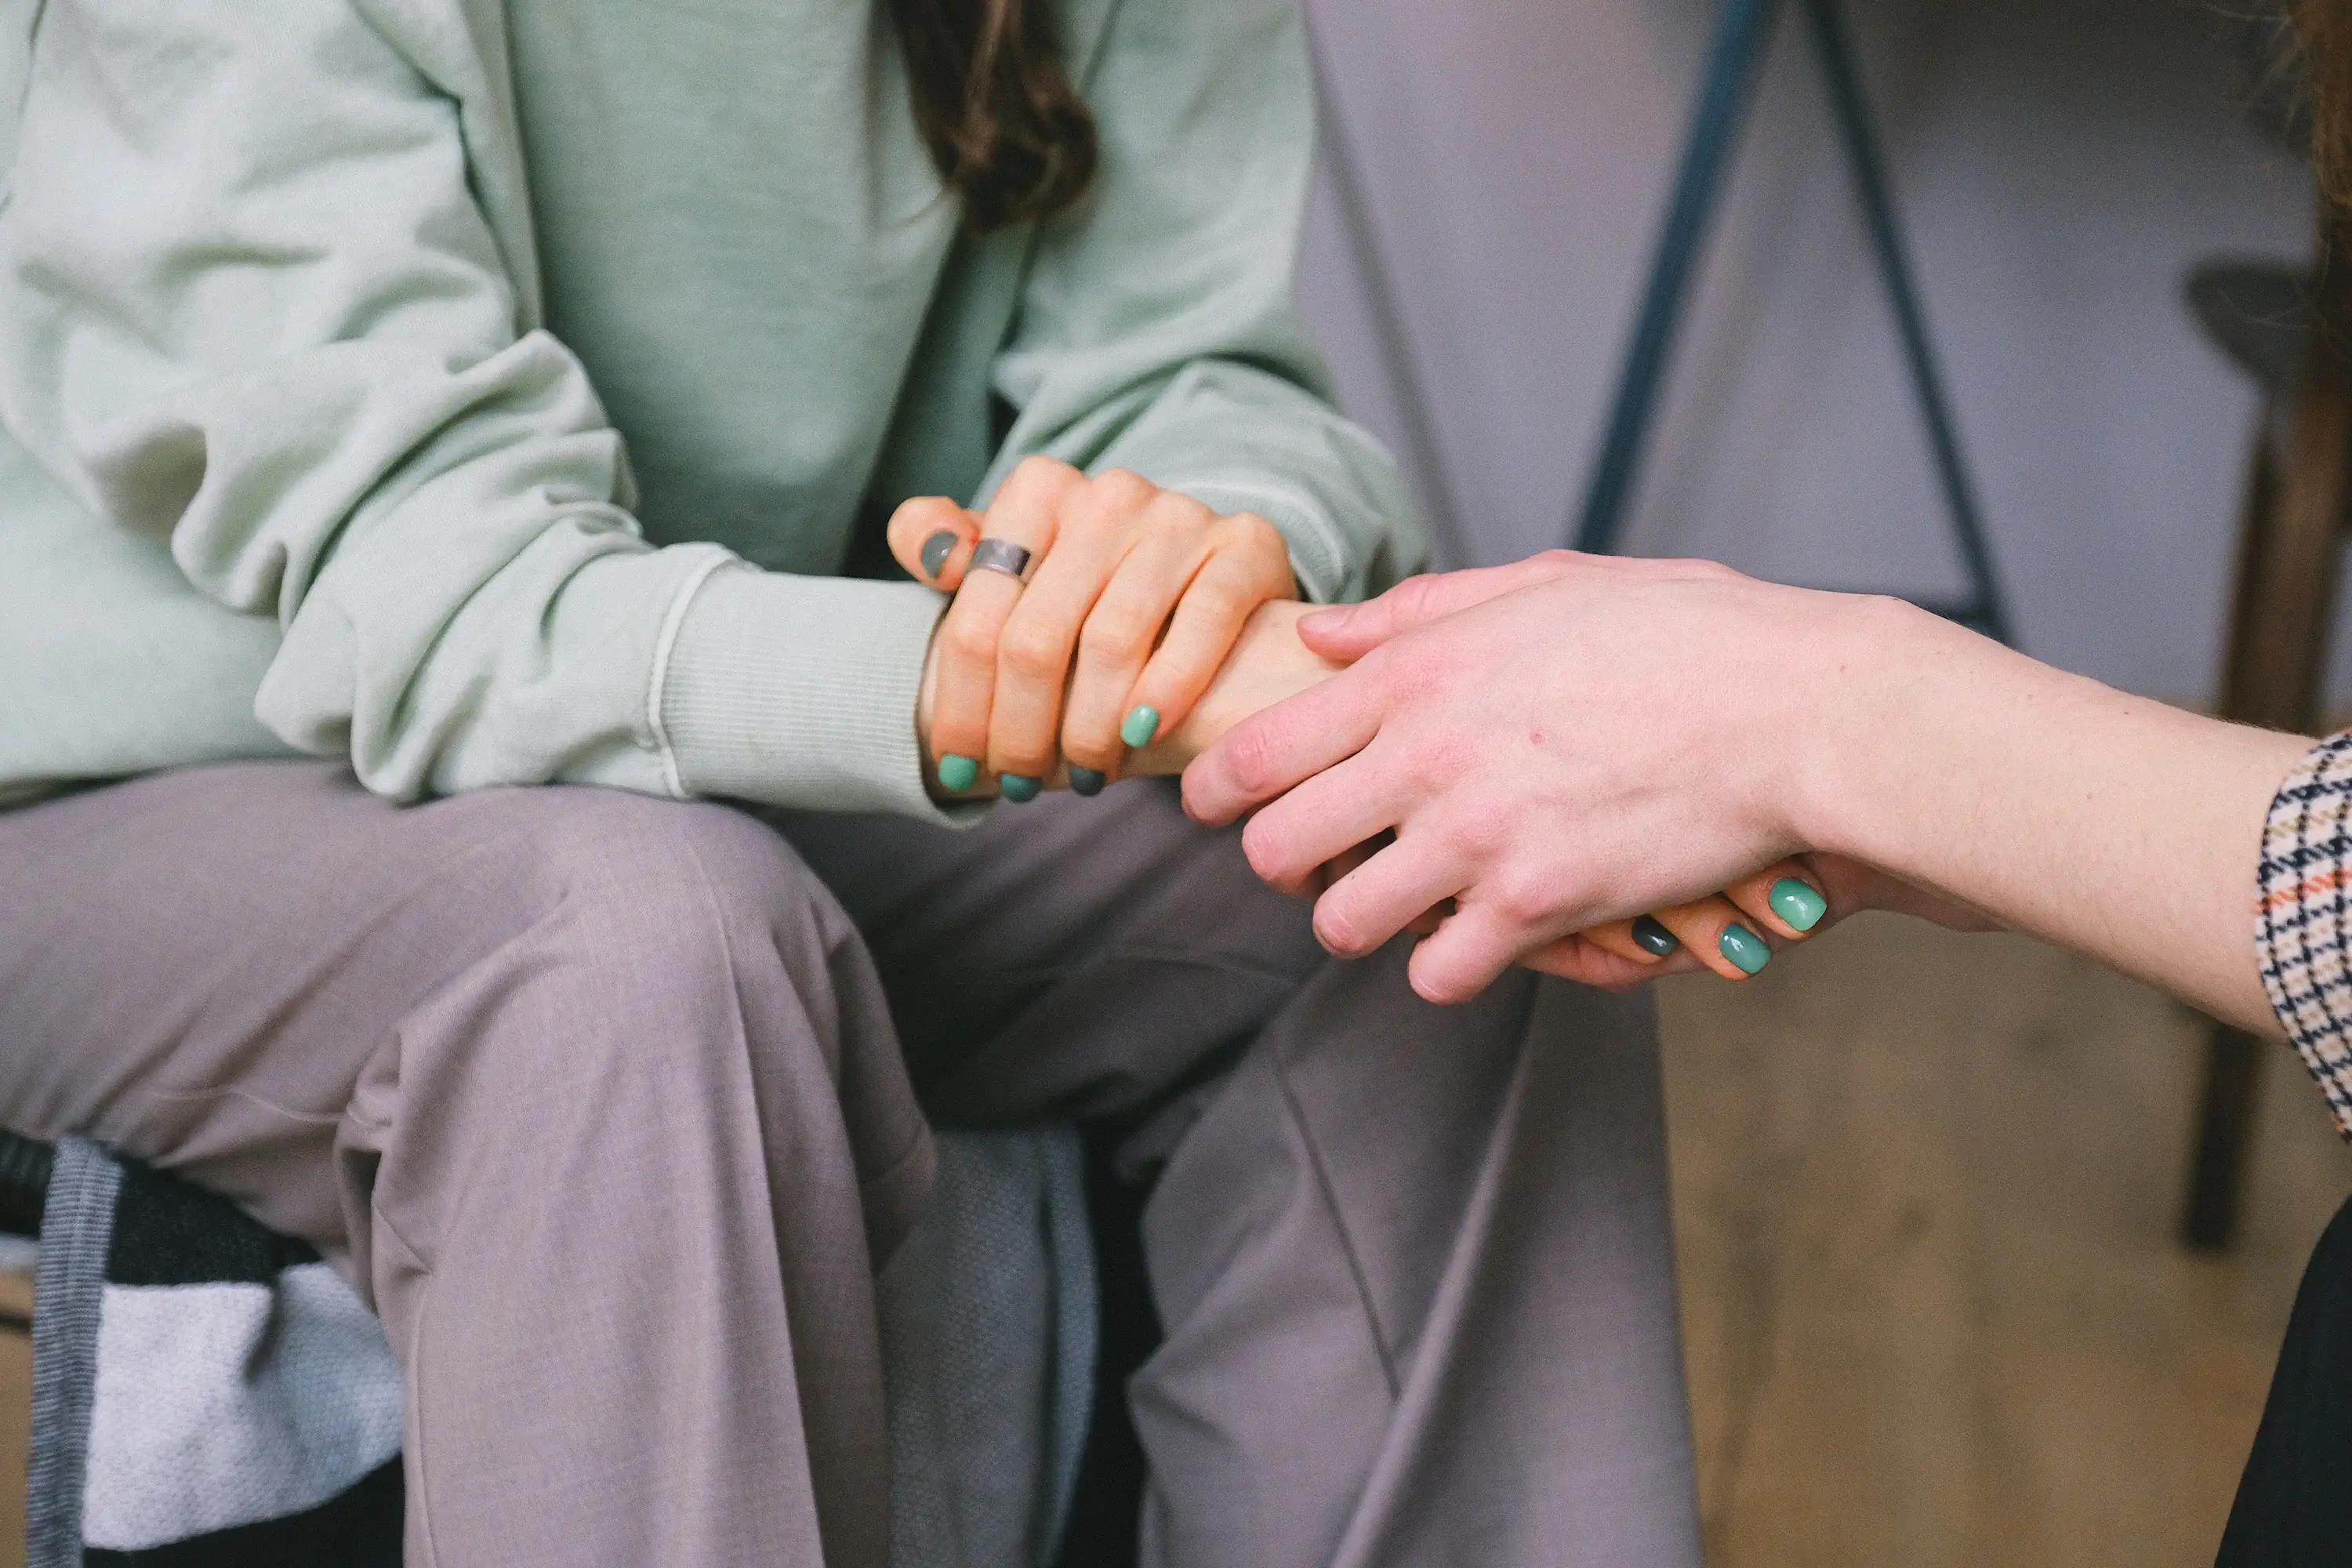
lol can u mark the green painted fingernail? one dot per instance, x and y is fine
(936, 551)
(1796, 903)
(1745, 949)
(957, 772)
(1019, 788)
(1141, 725)
(1654, 937)
(1087, 780)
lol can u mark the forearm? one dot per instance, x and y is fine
(2106, 823)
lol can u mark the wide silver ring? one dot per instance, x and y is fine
(999, 555)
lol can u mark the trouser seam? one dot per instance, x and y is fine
(1330, 1197)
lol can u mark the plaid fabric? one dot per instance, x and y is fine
(2304, 925)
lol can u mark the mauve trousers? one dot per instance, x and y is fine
(610, 1106)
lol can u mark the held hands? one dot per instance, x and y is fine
(1133, 599)
(1518, 761)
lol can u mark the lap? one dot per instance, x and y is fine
(199, 966)
(1070, 956)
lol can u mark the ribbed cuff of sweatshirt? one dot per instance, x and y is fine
(801, 692)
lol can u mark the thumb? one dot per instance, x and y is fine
(932, 537)
(1351, 631)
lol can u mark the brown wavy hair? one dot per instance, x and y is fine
(2325, 27)
(995, 104)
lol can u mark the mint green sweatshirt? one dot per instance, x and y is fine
(496, 391)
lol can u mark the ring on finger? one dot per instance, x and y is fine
(999, 556)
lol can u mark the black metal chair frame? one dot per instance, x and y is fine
(1743, 39)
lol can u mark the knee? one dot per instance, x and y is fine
(663, 899)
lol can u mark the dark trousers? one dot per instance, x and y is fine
(2295, 1502)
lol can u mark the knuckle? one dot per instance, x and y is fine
(1415, 597)
(1173, 512)
(1523, 901)
(1115, 637)
(968, 639)
(1249, 759)
(1123, 489)
(1219, 597)
(1037, 651)
(1038, 468)
(1251, 532)
(1468, 837)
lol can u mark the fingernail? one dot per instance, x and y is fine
(1019, 788)
(1796, 903)
(1329, 620)
(1745, 949)
(1654, 937)
(936, 551)
(957, 773)
(1087, 780)
(1141, 725)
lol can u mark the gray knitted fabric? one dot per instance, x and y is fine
(76, 1225)
(989, 1317)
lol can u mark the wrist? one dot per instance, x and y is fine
(1853, 713)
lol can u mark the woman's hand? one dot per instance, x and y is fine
(1546, 772)
(1133, 599)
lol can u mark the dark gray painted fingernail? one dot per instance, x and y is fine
(1018, 788)
(1087, 780)
(937, 548)
(1653, 938)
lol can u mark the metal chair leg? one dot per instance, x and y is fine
(1743, 37)
(1726, 87)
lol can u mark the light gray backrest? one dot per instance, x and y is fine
(2059, 168)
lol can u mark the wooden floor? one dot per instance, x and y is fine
(1933, 1308)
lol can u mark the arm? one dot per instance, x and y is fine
(253, 301)
(2109, 823)
(1541, 747)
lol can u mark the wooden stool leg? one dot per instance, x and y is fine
(2298, 497)
(2225, 1124)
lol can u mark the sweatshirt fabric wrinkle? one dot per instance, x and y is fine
(493, 391)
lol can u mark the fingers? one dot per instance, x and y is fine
(1783, 901)
(1384, 896)
(1249, 564)
(1349, 632)
(1344, 806)
(970, 635)
(1619, 937)
(1590, 962)
(1716, 932)
(1039, 640)
(1117, 642)
(1470, 949)
(1271, 753)
(932, 537)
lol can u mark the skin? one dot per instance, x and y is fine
(1268, 663)
(1135, 596)
(1538, 756)
(1141, 595)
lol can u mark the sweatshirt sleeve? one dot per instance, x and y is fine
(1156, 331)
(2303, 921)
(250, 304)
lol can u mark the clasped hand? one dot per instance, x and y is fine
(1511, 767)
(1134, 600)
(1148, 626)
